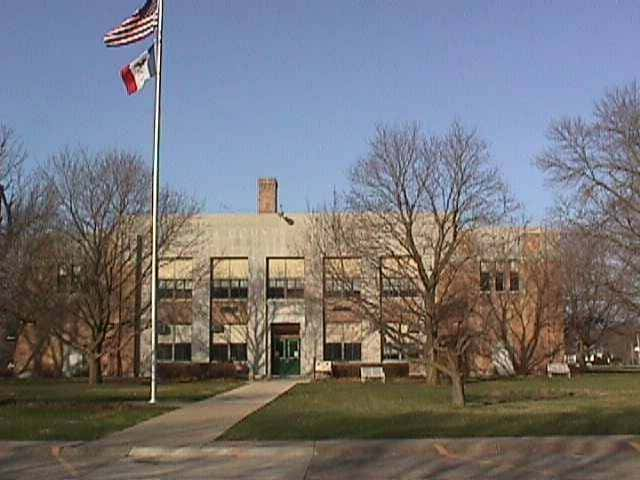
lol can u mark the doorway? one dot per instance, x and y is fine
(285, 349)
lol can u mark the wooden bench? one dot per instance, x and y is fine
(372, 373)
(558, 369)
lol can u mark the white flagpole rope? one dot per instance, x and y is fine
(154, 205)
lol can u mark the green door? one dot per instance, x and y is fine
(286, 356)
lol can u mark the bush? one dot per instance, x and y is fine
(200, 371)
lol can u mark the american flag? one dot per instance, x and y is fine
(138, 26)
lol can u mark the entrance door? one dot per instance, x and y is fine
(286, 355)
(285, 349)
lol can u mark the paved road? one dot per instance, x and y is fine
(571, 458)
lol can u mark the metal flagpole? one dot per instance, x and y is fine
(154, 204)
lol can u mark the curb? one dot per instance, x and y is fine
(236, 451)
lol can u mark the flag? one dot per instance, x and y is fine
(136, 74)
(138, 26)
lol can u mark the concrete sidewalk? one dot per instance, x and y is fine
(567, 458)
(199, 423)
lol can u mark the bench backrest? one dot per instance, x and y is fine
(559, 368)
(371, 372)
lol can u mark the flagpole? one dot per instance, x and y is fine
(154, 204)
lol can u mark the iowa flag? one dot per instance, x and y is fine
(138, 72)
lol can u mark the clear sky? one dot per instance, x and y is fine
(293, 90)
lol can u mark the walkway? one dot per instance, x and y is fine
(199, 423)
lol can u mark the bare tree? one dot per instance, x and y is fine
(26, 217)
(592, 280)
(523, 304)
(420, 202)
(596, 165)
(103, 205)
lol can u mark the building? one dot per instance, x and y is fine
(254, 292)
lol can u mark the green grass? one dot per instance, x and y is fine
(73, 410)
(587, 405)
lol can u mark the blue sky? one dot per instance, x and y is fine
(294, 89)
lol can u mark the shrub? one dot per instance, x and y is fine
(201, 371)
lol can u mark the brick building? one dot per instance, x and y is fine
(254, 292)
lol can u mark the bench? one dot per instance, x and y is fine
(372, 373)
(558, 369)
(323, 369)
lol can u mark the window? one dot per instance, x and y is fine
(390, 353)
(164, 329)
(174, 352)
(182, 352)
(500, 276)
(165, 352)
(342, 277)
(237, 288)
(398, 287)
(333, 351)
(175, 279)
(286, 278)
(499, 281)
(220, 352)
(69, 277)
(348, 352)
(485, 277)
(229, 278)
(238, 352)
(352, 352)
(175, 288)
(217, 327)
(399, 277)
(514, 276)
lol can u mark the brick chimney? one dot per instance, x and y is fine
(267, 195)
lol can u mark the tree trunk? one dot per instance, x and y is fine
(95, 370)
(431, 373)
(457, 391)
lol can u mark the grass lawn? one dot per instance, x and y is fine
(73, 410)
(588, 404)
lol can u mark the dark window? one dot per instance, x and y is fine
(277, 288)
(398, 287)
(230, 288)
(164, 329)
(182, 352)
(69, 277)
(238, 352)
(165, 352)
(390, 352)
(333, 351)
(499, 281)
(514, 281)
(217, 328)
(352, 352)
(286, 288)
(175, 288)
(485, 281)
(220, 352)
(342, 288)
(295, 288)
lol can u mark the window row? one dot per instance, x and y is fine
(237, 288)
(229, 352)
(175, 288)
(346, 288)
(174, 352)
(348, 352)
(499, 276)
